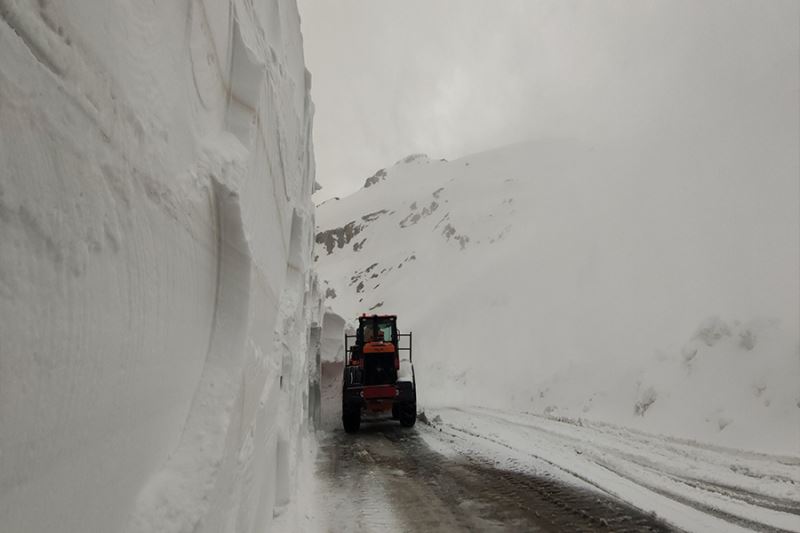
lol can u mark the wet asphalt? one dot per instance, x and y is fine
(386, 478)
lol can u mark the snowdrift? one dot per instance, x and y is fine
(643, 285)
(156, 298)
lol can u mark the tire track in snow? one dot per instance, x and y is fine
(747, 498)
(387, 476)
(775, 517)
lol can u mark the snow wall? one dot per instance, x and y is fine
(157, 308)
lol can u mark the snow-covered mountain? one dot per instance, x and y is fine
(158, 310)
(642, 285)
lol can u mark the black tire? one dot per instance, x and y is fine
(408, 415)
(351, 420)
(395, 412)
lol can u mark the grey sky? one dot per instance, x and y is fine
(450, 78)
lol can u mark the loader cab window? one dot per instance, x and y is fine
(369, 333)
(377, 329)
(385, 331)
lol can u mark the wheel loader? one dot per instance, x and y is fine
(378, 381)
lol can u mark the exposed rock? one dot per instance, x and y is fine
(449, 232)
(430, 209)
(412, 158)
(415, 217)
(338, 237)
(334, 199)
(712, 330)
(373, 216)
(647, 399)
(375, 178)
(747, 339)
(410, 220)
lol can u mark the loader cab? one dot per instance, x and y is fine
(375, 350)
(376, 328)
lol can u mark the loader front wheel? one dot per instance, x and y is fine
(408, 414)
(351, 420)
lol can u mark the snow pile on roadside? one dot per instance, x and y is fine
(155, 281)
(578, 279)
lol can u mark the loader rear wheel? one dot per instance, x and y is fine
(408, 414)
(351, 420)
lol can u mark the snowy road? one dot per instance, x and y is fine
(390, 479)
(692, 486)
(483, 470)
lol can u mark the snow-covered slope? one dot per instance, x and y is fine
(155, 246)
(651, 285)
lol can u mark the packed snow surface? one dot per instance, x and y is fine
(694, 487)
(156, 298)
(652, 285)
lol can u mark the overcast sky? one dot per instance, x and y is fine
(455, 77)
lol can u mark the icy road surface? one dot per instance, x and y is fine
(484, 470)
(387, 478)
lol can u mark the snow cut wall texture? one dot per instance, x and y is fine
(156, 299)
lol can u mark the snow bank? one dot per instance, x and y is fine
(731, 384)
(576, 279)
(333, 327)
(156, 301)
